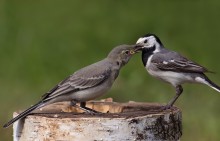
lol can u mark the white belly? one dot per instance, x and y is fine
(175, 78)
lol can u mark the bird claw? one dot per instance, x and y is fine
(92, 112)
(167, 107)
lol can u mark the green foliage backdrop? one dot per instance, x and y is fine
(42, 42)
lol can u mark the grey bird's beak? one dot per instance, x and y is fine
(138, 48)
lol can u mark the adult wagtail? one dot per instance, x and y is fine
(85, 84)
(170, 66)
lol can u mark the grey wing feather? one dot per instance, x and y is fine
(172, 61)
(85, 78)
(54, 88)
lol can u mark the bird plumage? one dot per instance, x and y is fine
(85, 84)
(171, 66)
(173, 61)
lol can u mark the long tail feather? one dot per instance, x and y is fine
(211, 84)
(23, 114)
(214, 86)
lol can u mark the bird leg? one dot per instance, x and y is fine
(179, 91)
(83, 107)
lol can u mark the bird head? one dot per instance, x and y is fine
(122, 54)
(149, 41)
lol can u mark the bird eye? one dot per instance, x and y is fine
(145, 41)
(126, 52)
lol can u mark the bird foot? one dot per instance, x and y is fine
(167, 107)
(91, 111)
(84, 108)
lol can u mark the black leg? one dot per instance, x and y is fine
(83, 107)
(83, 104)
(179, 91)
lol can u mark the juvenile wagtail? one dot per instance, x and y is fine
(85, 84)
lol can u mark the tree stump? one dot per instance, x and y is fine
(132, 121)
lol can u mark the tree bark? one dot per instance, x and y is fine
(132, 121)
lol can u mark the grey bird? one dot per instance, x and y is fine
(85, 84)
(170, 66)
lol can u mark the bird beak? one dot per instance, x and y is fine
(137, 48)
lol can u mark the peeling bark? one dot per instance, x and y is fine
(132, 121)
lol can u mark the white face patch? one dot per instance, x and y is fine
(151, 41)
(172, 61)
(140, 40)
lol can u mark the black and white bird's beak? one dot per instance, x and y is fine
(138, 48)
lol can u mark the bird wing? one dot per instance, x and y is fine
(172, 61)
(85, 78)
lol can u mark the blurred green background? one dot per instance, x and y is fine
(42, 42)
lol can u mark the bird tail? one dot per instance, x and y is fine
(23, 114)
(212, 84)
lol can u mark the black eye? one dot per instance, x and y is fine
(127, 52)
(145, 41)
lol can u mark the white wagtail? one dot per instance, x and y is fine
(170, 66)
(85, 84)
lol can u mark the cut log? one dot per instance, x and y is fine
(132, 121)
